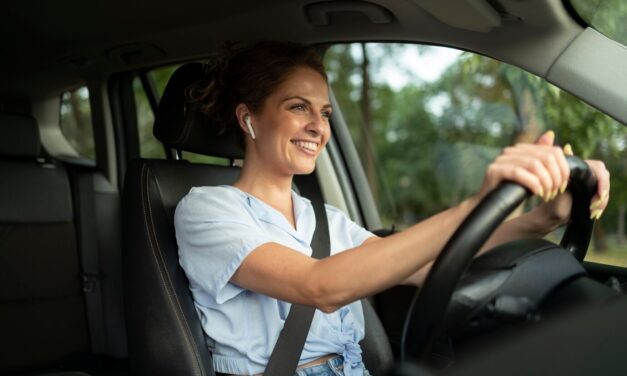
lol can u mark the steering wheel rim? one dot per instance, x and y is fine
(427, 311)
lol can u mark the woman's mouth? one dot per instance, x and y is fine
(306, 146)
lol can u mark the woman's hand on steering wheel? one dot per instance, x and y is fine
(542, 168)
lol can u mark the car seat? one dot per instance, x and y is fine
(43, 318)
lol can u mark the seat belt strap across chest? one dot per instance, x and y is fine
(289, 347)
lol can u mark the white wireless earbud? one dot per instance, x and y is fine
(250, 127)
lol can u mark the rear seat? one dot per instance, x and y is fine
(44, 320)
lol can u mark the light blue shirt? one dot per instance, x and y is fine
(216, 228)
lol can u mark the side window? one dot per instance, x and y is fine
(149, 146)
(428, 120)
(75, 121)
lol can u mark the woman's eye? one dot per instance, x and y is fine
(299, 107)
(326, 114)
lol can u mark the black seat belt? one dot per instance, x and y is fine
(289, 347)
(85, 219)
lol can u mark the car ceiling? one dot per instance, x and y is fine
(56, 45)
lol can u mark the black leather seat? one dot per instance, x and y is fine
(42, 309)
(165, 336)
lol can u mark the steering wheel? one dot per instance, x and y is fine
(427, 311)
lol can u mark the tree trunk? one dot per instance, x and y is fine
(600, 238)
(620, 226)
(527, 112)
(367, 145)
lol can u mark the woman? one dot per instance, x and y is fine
(245, 247)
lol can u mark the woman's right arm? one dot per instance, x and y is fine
(331, 283)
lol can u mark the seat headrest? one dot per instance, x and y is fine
(19, 136)
(178, 125)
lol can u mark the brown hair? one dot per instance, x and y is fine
(249, 75)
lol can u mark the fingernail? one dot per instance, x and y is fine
(550, 134)
(596, 214)
(541, 193)
(563, 187)
(595, 204)
(555, 193)
(568, 150)
(604, 195)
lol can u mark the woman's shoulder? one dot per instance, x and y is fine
(222, 199)
(214, 193)
(335, 212)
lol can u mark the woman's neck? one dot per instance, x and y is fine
(275, 191)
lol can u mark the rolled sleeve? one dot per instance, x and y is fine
(355, 233)
(213, 241)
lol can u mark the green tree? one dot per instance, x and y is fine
(431, 141)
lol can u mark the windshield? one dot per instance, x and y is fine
(607, 16)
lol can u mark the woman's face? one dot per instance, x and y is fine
(293, 126)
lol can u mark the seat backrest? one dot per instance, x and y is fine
(42, 309)
(164, 332)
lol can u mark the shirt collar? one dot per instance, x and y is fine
(303, 214)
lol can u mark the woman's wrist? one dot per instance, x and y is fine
(548, 217)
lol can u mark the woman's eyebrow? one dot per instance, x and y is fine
(328, 105)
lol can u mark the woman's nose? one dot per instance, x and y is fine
(317, 124)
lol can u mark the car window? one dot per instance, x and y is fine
(149, 146)
(75, 121)
(428, 120)
(607, 16)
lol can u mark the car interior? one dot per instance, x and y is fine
(90, 281)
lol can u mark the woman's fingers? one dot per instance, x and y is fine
(511, 160)
(547, 162)
(548, 138)
(520, 175)
(601, 199)
(568, 150)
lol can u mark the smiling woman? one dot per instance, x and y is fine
(291, 129)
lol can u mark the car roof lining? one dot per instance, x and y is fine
(46, 60)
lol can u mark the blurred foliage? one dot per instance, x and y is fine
(607, 16)
(430, 141)
(75, 121)
(149, 147)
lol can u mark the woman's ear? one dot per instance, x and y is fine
(244, 119)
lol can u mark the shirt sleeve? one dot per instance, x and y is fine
(214, 235)
(339, 222)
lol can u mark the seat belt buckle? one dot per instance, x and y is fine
(91, 281)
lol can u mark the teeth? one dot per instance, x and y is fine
(311, 146)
